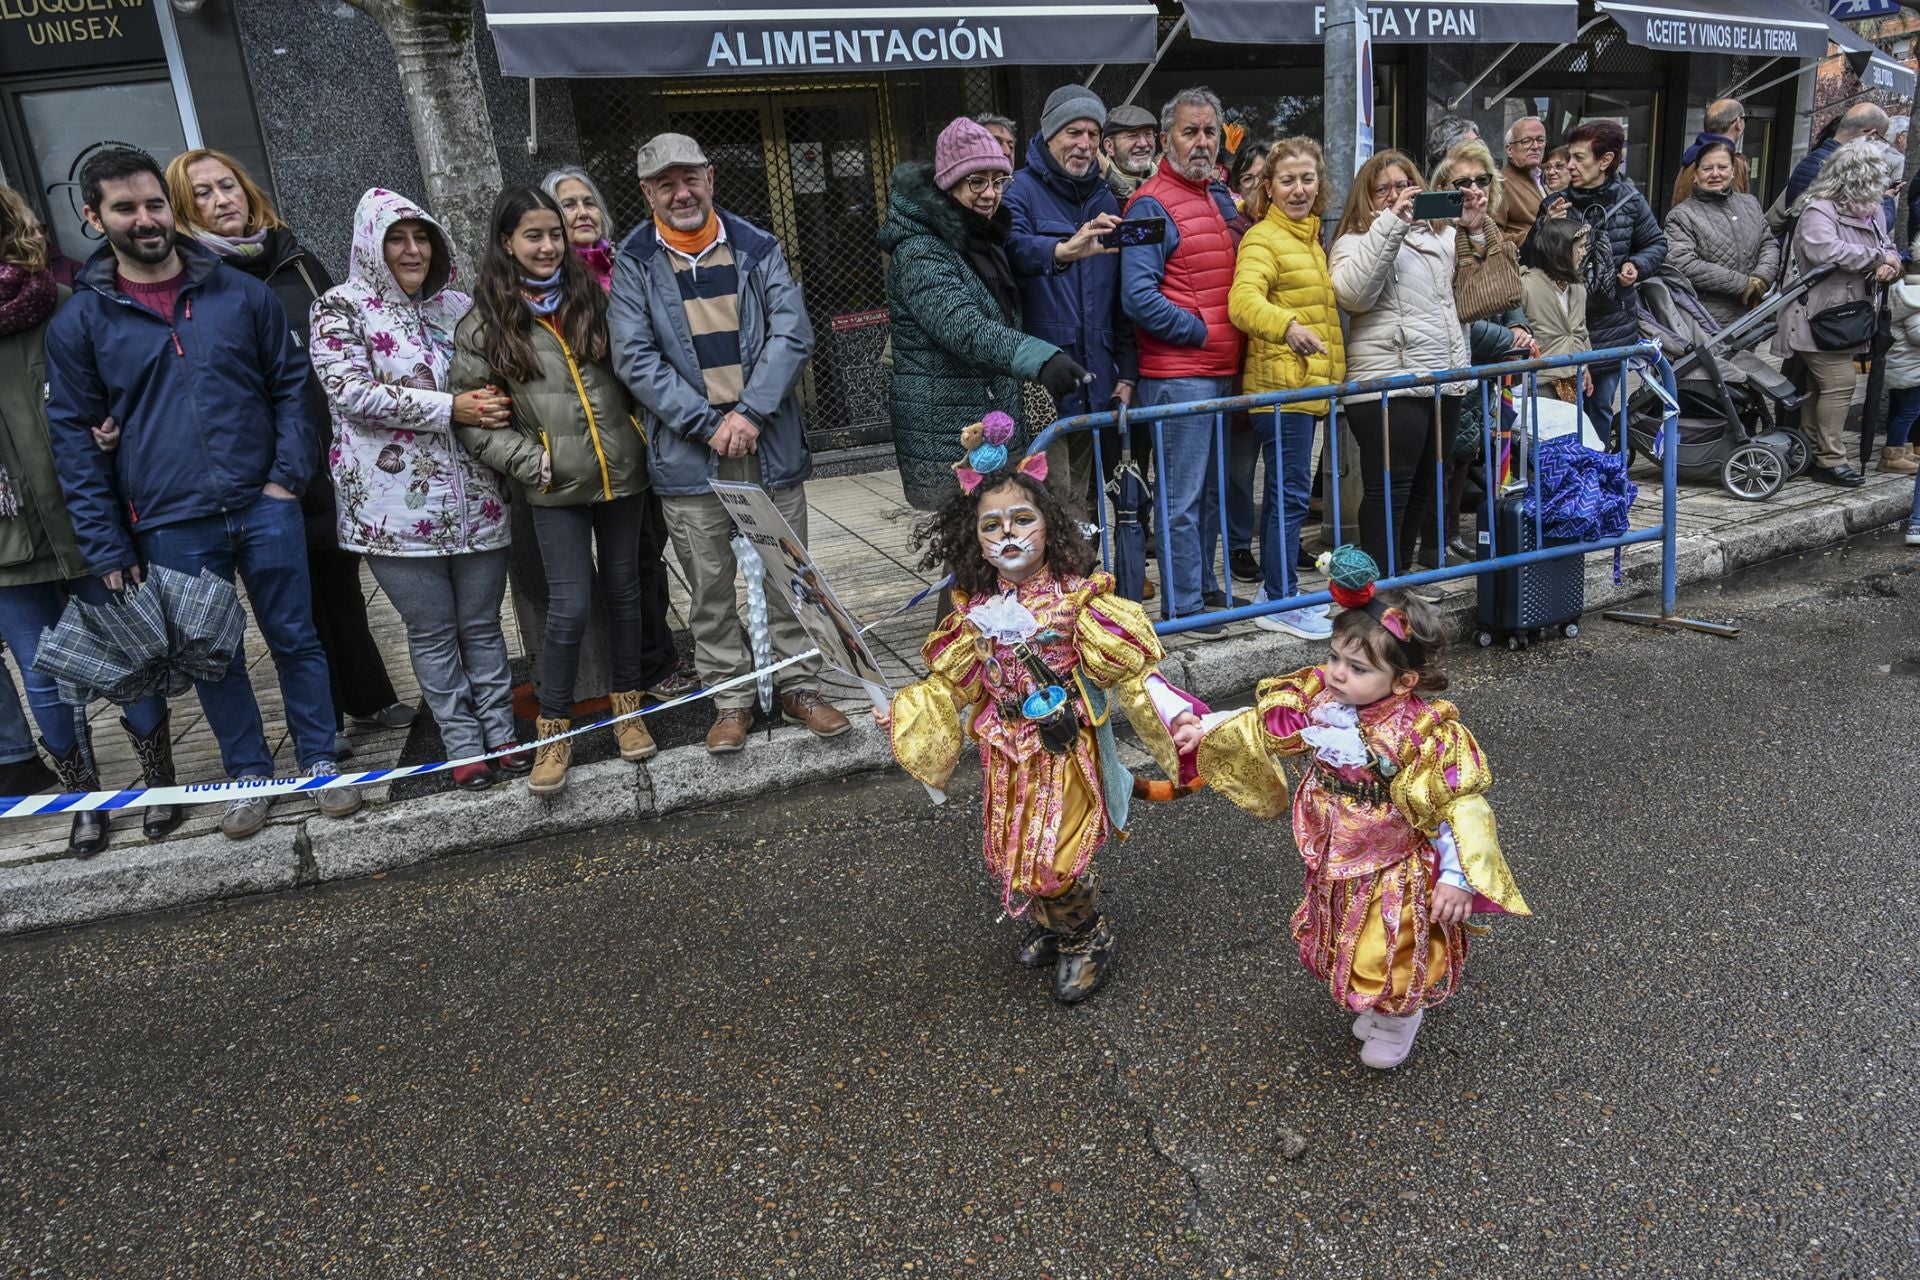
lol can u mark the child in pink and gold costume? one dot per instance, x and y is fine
(1390, 813)
(1032, 661)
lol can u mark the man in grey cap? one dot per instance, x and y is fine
(710, 334)
(1129, 149)
(1070, 282)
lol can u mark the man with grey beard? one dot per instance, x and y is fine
(1129, 149)
(1175, 292)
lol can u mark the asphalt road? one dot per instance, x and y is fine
(791, 1041)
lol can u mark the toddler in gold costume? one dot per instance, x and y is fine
(1390, 812)
(1032, 660)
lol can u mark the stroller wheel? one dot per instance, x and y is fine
(1753, 472)
(1799, 456)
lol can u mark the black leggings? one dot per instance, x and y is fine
(1407, 437)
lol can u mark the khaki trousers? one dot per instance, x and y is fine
(1824, 413)
(700, 531)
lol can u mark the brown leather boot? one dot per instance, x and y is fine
(804, 706)
(729, 732)
(1083, 942)
(635, 742)
(552, 759)
(1899, 460)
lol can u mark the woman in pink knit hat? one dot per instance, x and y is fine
(958, 352)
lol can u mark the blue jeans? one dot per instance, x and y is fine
(16, 740)
(24, 613)
(266, 544)
(1286, 442)
(1243, 449)
(1189, 481)
(1903, 410)
(1603, 406)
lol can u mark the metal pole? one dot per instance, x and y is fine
(1340, 96)
(1158, 54)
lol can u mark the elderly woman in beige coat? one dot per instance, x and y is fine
(1841, 225)
(1394, 279)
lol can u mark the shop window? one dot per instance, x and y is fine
(1281, 102)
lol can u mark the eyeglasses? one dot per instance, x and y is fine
(1388, 190)
(1484, 181)
(1538, 141)
(980, 183)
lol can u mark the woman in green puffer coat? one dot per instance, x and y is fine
(574, 448)
(958, 352)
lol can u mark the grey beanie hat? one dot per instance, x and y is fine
(1068, 103)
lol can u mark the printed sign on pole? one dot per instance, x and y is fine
(791, 570)
(1363, 80)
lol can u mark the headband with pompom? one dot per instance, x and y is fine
(1351, 574)
(986, 443)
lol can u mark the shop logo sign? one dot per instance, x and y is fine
(866, 47)
(1724, 37)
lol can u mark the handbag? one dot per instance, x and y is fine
(1485, 284)
(1846, 326)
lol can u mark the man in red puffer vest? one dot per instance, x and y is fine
(1175, 292)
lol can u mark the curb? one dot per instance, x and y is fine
(310, 849)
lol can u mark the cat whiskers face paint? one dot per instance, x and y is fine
(1013, 533)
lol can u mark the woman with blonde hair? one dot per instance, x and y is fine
(1841, 225)
(217, 202)
(1282, 299)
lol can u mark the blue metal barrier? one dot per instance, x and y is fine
(1643, 356)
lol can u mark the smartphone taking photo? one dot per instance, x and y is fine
(1136, 231)
(1436, 206)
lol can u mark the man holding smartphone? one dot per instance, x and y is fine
(1069, 280)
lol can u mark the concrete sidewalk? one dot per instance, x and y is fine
(861, 532)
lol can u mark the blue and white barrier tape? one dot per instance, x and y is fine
(219, 792)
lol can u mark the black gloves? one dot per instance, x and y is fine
(1062, 377)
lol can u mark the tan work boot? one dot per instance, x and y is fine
(1899, 460)
(551, 759)
(635, 742)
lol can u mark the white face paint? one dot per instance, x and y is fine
(1013, 533)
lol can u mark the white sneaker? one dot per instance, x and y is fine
(1913, 534)
(1391, 1041)
(1307, 623)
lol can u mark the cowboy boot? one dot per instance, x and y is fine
(155, 754)
(89, 833)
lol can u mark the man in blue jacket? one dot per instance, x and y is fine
(200, 369)
(1070, 282)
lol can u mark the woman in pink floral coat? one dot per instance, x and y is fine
(430, 519)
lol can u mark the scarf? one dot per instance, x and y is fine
(1701, 142)
(984, 246)
(26, 299)
(233, 246)
(542, 295)
(692, 243)
(599, 259)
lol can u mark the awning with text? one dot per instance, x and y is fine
(1305, 21)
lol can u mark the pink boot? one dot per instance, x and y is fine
(1391, 1041)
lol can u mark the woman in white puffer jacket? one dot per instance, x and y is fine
(1394, 279)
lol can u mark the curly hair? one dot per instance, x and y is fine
(950, 538)
(21, 243)
(1854, 176)
(1383, 647)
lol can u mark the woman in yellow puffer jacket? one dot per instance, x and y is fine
(1282, 299)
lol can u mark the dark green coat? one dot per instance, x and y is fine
(38, 544)
(598, 450)
(955, 359)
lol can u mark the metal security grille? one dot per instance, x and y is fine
(809, 163)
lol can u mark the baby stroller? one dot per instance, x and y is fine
(1733, 405)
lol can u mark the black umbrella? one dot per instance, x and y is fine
(1876, 380)
(1130, 494)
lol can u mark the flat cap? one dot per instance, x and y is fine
(665, 150)
(1121, 119)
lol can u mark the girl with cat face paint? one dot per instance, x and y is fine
(1035, 656)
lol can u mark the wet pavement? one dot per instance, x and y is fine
(790, 1040)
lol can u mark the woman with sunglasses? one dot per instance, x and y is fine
(958, 352)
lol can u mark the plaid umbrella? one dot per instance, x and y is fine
(205, 624)
(116, 651)
(156, 637)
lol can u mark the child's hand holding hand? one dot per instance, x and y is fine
(1187, 732)
(1450, 905)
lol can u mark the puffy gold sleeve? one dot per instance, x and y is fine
(1234, 760)
(1115, 638)
(1293, 693)
(1446, 781)
(926, 736)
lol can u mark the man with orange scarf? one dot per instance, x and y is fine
(710, 333)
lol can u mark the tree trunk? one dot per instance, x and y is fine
(447, 107)
(453, 134)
